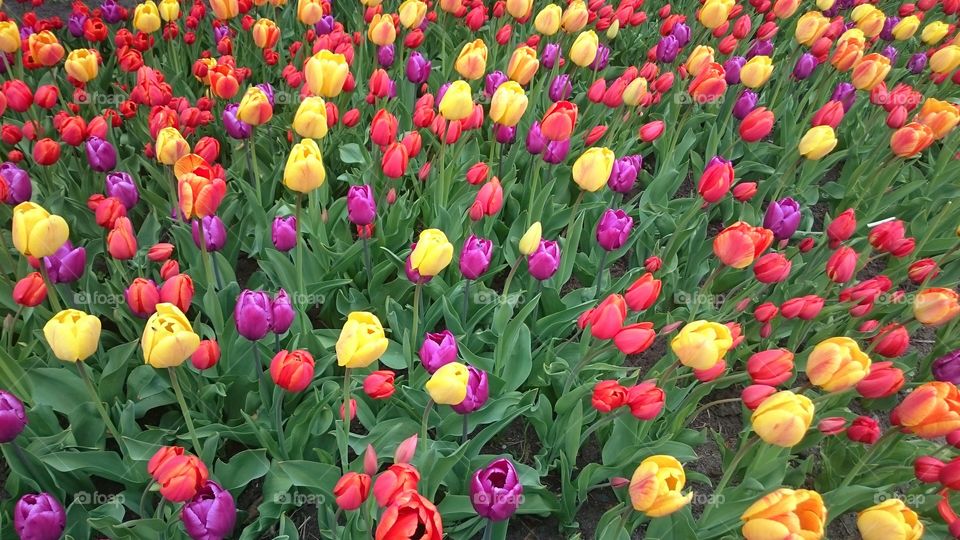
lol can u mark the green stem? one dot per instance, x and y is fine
(205, 254)
(466, 429)
(252, 156)
(466, 302)
(425, 421)
(345, 448)
(727, 475)
(488, 531)
(51, 290)
(278, 418)
(599, 280)
(414, 332)
(183, 409)
(867, 457)
(111, 427)
(366, 259)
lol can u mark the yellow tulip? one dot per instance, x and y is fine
(519, 9)
(82, 64)
(837, 364)
(700, 57)
(783, 418)
(457, 102)
(756, 72)
(656, 484)
(311, 118)
(9, 37)
(936, 306)
(146, 17)
(304, 171)
(547, 21)
(412, 13)
(634, 93)
(432, 254)
(906, 28)
(36, 232)
(592, 169)
(255, 108)
(73, 335)
(824, 5)
(940, 116)
(575, 17)
(523, 64)
(934, 32)
(786, 513)
(225, 9)
(472, 61)
(714, 13)
(326, 72)
(381, 30)
(448, 385)
(170, 146)
(508, 104)
(945, 60)
(870, 71)
(168, 338)
(811, 26)
(584, 49)
(362, 340)
(817, 142)
(701, 344)
(169, 10)
(889, 520)
(309, 11)
(869, 19)
(531, 239)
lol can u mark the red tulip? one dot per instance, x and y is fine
(842, 265)
(30, 291)
(608, 395)
(772, 367)
(635, 338)
(178, 290)
(643, 292)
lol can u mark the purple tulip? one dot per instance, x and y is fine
(75, 24)
(413, 275)
(545, 260)
(890, 52)
(267, 90)
(804, 66)
(492, 81)
(284, 233)
(886, 33)
(496, 491)
(475, 256)
(623, 176)
(783, 218)
(613, 229)
(101, 155)
(220, 32)
(236, 128)
(39, 516)
(386, 55)
(560, 88)
(917, 63)
(214, 233)
(667, 49)
(418, 69)
(947, 367)
(121, 185)
(602, 58)
(253, 314)
(682, 33)
(505, 134)
(846, 94)
(442, 91)
(550, 56)
(438, 349)
(556, 151)
(536, 142)
(325, 25)
(67, 263)
(112, 11)
(361, 205)
(732, 69)
(283, 313)
(478, 391)
(760, 47)
(746, 102)
(210, 515)
(19, 188)
(12, 417)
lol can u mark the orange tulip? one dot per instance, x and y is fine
(199, 186)
(739, 244)
(559, 120)
(911, 139)
(940, 116)
(44, 48)
(848, 52)
(870, 71)
(932, 410)
(709, 85)
(121, 240)
(936, 306)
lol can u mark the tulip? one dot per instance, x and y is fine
(206, 356)
(530, 240)
(361, 206)
(39, 516)
(73, 335)
(864, 430)
(292, 371)
(870, 71)
(940, 116)
(438, 350)
(475, 256)
(418, 68)
(756, 71)
(592, 169)
(657, 482)
(755, 394)
(945, 60)
(478, 392)
(756, 125)
(122, 240)
(608, 395)
(496, 491)
(931, 410)
(214, 233)
(947, 367)
(379, 384)
(643, 292)
(785, 513)
(740, 244)
(225, 9)
(326, 72)
(310, 120)
(457, 101)
(613, 229)
(351, 490)
(716, 179)
(13, 417)
(37, 233)
(574, 17)
(253, 314)
(9, 37)
(837, 364)
(772, 367)
(889, 519)
(701, 344)
(282, 313)
(547, 21)
(121, 186)
(783, 418)
(927, 469)
(433, 252)
(30, 291)
(782, 217)
(645, 400)
(584, 50)
(471, 63)
(234, 127)
(606, 319)
(883, 380)
(142, 297)
(66, 264)
(936, 306)
(623, 175)
(448, 384)
(255, 107)
(304, 170)
(409, 509)
(833, 425)
(82, 64)
(283, 233)
(210, 514)
(545, 260)
(18, 184)
(168, 338)
(362, 340)
(817, 142)
(634, 338)
(508, 104)
(170, 146)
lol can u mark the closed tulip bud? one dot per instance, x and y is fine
(471, 63)
(635, 91)
(457, 101)
(911, 139)
(304, 171)
(754, 395)
(740, 244)
(361, 205)
(508, 104)
(891, 341)
(432, 254)
(523, 65)
(756, 125)
(146, 17)
(783, 419)
(214, 233)
(170, 146)
(178, 290)
(864, 430)
(475, 256)
(936, 306)
(842, 227)
(72, 335)
(645, 400)
(30, 291)
(547, 21)
(545, 260)
(606, 319)
(837, 364)
(931, 410)
(559, 121)
(643, 292)
(584, 49)
(438, 349)
(530, 239)
(817, 142)
(756, 71)
(37, 233)
(833, 425)
(13, 417)
(927, 469)
(9, 37)
(225, 9)
(351, 490)
(940, 116)
(181, 477)
(870, 71)
(945, 60)
(701, 344)
(381, 30)
(478, 392)
(890, 517)
(634, 338)
(771, 268)
(448, 385)
(39, 516)
(700, 58)
(310, 120)
(362, 340)
(592, 169)
(574, 17)
(379, 384)
(46, 152)
(714, 13)
(283, 233)
(842, 265)
(142, 297)
(613, 229)
(282, 312)
(923, 270)
(651, 131)
(716, 179)
(883, 380)
(326, 72)
(207, 355)
(292, 371)
(82, 64)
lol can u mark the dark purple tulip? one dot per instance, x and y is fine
(761, 47)
(890, 52)
(283, 312)
(39, 516)
(492, 81)
(284, 233)
(746, 102)
(418, 69)
(545, 260)
(361, 205)
(210, 515)
(732, 69)
(386, 55)
(886, 33)
(682, 33)
(325, 25)
(214, 233)
(536, 142)
(496, 491)
(412, 274)
(121, 185)
(438, 349)
(917, 63)
(556, 151)
(267, 90)
(550, 56)
(804, 66)
(623, 176)
(67, 263)
(478, 391)
(947, 367)
(12, 417)
(253, 314)
(235, 127)
(845, 93)
(783, 218)
(475, 256)
(112, 11)
(75, 24)
(505, 134)
(101, 155)
(613, 229)
(560, 88)
(19, 188)
(667, 49)
(602, 58)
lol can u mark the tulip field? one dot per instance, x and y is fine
(469, 269)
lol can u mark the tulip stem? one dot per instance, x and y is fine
(51, 290)
(889, 434)
(727, 475)
(183, 408)
(681, 226)
(599, 280)
(299, 263)
(506, 283)
(572, 374)
(174, 207)
(252, 163)
(278, 418)
(488, 531)
(425, 422)
(345, 444)
(663, 376)
(466, 302)
(366, 258)
(573, 216)
(111, 427)
(466, 429)
(416, 323)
